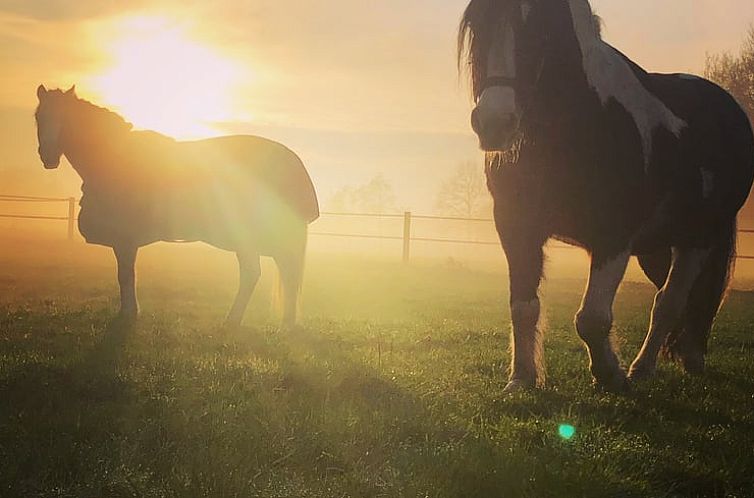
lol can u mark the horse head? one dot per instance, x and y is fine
(51, 116)
(514, 50)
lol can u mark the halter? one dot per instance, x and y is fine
(506, 81)
(513, 82)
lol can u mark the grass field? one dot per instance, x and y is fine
(392, 387)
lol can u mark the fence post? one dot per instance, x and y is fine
(71, 216)
(406, 236)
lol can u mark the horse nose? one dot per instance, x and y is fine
(495, 129)
(48, 161)
(476, 122)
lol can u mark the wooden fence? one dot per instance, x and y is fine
(406, 237)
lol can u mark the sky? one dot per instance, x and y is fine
(355, 88)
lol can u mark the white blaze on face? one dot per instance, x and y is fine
(500, 100)
(612, 78)
(525, 10)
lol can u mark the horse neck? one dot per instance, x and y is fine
(564, 95)
(92, 153)
(564, 91)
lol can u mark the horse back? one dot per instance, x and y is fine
(717, 146)
(260, 163)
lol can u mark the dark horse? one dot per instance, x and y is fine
(244, 194)
(586, 147)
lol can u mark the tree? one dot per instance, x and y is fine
(375, 196)
(465, 193)
(341, 200)
(735, 73)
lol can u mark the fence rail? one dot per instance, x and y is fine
(406, 237)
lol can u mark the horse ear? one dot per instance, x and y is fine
(41, 92)
(71, 91)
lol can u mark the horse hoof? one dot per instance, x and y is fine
(518, 386)
(693, 365)
(290, 328)
(122, 323)
(616, 383)
(230, 326)
(639, 373)
(127, 317)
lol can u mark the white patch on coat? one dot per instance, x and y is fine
(502, 56)
(611, 77)
(525, 10)
(603, 283)
(708, 182)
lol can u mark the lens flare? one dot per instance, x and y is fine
(566, 431)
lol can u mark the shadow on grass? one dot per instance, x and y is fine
(62, 411)
(161, 409)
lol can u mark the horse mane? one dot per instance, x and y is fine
(94, 115)
(599, 23)
(479, 24)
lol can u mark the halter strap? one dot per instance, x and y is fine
(491, 81)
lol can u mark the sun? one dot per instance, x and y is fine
(160, 78)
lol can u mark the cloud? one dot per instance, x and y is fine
(66, 10)
(674, 35)
(376, 66)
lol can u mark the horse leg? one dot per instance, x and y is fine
(594, 320)
(291, 275)
(249, 271)
(669, 304)
(525, 264)
(290, 260)
(690, 345)
(125, 254)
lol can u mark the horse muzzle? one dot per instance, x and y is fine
(51, 163)
(496, 133)
(49, 160)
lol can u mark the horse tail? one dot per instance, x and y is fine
(689, 342)
(291, 262)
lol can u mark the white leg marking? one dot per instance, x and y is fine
(527, 368)
(595, 318)
(610, 75)
(602, 286)
(668, 307)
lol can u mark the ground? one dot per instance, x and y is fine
(391, 387)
